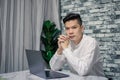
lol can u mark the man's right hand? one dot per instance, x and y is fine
(61, 40)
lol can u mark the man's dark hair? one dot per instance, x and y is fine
(72, 16)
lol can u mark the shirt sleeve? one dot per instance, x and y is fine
(57, 62)
(84, 64)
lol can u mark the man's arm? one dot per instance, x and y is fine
(57, 61)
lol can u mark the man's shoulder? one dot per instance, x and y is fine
(88, 37)
(90, 40)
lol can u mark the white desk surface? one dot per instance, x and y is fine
(25, 75)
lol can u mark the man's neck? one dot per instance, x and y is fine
(78, 41)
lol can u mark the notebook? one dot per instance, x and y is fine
(37, 67)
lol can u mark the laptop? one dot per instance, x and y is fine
(37, 67)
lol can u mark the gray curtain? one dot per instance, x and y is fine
(20, 29)
(52, 12)
(0, 34)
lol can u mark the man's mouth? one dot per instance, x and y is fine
(71, 37)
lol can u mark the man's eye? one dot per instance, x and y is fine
(66, 28)
(73, 27)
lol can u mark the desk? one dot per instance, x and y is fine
(25, 75)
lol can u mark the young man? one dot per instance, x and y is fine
(79, 51)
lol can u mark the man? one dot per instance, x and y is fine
(79, 51)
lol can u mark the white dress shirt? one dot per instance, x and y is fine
(83, 59)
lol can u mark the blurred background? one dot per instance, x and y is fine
(21, 23)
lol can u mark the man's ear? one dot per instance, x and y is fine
(82, 27)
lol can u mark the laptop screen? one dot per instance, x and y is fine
(37, 67)
(35, 63)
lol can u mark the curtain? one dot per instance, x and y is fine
(52, 12)
(20, 29)
(0, 35)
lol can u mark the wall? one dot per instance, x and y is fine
(101, 19)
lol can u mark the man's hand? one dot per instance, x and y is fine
(63, 42)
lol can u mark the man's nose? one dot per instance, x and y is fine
(70, 31)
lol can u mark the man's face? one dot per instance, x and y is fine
(74, 30)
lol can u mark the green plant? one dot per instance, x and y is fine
(49, 39)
